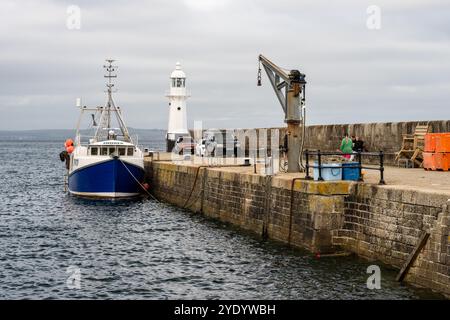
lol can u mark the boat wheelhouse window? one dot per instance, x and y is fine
(111, 150)
(94, 151)
(104, 151)
(121, 151)
(129, 151)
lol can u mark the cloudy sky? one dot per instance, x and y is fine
(355, 74)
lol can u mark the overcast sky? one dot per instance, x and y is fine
(355, 74)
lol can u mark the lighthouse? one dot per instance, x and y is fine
(177, 95)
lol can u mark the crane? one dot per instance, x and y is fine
(289, 88)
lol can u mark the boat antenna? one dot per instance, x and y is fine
(105, 118)
(110, 69)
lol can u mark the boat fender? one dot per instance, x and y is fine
(63, 155)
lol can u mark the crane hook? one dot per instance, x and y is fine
(259, 75)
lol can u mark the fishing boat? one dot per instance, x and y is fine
(108, 164)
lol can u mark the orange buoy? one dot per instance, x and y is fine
(70, 149)
(68, 143)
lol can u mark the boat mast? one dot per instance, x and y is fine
(105, 118)
(110, 69)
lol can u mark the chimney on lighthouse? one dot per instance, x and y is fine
(177, 95)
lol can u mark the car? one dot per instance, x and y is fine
(184, 145)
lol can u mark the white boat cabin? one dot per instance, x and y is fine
(111, 148)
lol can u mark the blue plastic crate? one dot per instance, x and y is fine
(350, 171)
(328, 174)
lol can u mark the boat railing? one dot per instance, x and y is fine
(83, 139)
(135, 139)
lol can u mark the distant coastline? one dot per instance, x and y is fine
(62, 134)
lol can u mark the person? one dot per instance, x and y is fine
(346, 146)
(358, 145)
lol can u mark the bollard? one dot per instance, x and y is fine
(382, 168)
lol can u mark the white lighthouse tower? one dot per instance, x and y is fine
(177, 107)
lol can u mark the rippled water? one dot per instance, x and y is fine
(142, 249)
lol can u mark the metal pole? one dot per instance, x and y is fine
(319, 162)
(359, 166)
(382, 168)
(307, 177)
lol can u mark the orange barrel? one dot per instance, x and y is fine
(430, 142)
(443, 142)
(442, 161)
(429, 161)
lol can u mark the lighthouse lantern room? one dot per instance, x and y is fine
(177, 107)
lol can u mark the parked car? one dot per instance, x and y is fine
(184, 145)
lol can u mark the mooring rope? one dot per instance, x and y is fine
(185, 205)
(193, 186)
(138, 181)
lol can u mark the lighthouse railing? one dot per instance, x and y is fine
(178, 92)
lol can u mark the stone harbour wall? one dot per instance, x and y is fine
(386, 224)
(375, 222)
(378, 136)
(257, 203)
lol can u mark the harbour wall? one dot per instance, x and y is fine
(378, 136)
(385, 224)
(375, 222)
(381, 136)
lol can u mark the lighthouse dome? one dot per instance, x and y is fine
(178, 73)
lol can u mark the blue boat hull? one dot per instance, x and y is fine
(107, 179)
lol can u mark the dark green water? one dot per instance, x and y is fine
(145, 250)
